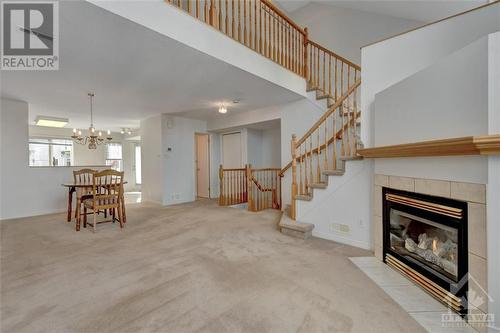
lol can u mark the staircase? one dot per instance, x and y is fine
(322, 152)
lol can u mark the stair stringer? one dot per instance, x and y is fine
(344, 202)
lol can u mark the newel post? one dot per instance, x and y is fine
(306, 41)
(294, 176)
(249, 187)
(221, 185)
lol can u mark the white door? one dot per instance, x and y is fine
(231, 151)
(202, 166)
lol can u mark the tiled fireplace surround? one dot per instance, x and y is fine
(473, 194)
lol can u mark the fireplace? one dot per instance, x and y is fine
(425, 238)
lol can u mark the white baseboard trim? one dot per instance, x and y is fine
(39, 213)
(343, 240)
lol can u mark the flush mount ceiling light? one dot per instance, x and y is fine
(50, 121)
(222, 109)
(125, 130)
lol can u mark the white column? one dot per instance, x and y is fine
(493, 188)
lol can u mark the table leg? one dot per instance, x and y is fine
(123, 209)
(70, 201)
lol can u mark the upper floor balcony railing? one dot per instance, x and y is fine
(257, 24)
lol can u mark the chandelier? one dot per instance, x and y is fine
(93, 139)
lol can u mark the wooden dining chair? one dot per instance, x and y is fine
(82, 176)
(107, 193)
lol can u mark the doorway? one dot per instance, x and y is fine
(202, 142)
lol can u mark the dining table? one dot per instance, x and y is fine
(73, 186)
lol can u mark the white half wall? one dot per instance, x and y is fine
(26, 191)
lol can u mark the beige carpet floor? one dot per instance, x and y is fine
(186, 268)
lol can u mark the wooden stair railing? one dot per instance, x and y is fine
(330, 73)
(264, 28)
(233, 186)
(260, 188)
(264, 189)
(257, 24)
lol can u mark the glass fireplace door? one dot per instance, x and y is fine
(426, 242)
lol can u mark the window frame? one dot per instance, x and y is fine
(50, 144)
(114, 159)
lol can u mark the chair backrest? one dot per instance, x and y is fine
(83, 176)
(107, 188)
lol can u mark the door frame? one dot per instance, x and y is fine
(196, 134)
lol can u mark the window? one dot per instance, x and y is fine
(50, 152)
(138, 175)
(114, 156)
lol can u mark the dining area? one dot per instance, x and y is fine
(96, 197)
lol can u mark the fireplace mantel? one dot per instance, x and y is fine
(469, 145)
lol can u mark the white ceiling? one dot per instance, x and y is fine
(134, 72)
(419, 10)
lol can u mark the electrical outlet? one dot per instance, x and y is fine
(339, 228)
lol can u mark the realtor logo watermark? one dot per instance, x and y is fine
(473, 300)
(30, 35)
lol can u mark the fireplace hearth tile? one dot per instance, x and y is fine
(433, 323)
(367, 262)
(414, 299)
(422, 307)
(385, 276)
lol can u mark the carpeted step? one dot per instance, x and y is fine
(293, 228)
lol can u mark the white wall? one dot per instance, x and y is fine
(345, 31)
(215, 162)
(179, 170)
(271, 147)
(388, 62)
(168, 158)
(151, 159)
(264, 148)
(26, 191)
(179, 25)
(254, 148)
(448, 99)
